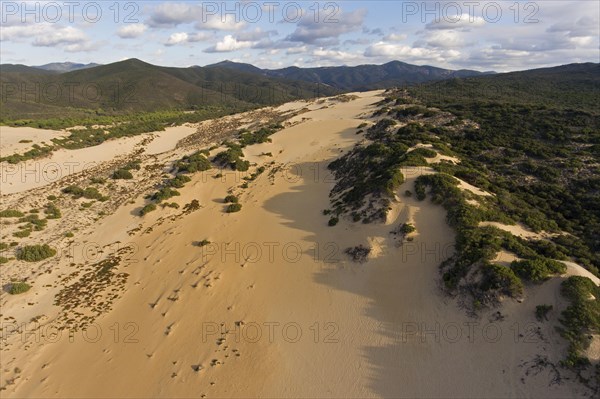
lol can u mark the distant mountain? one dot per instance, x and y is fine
(238, 66)
(574, 86)
(134, 86)
(65, 66)
(357, 78)
(19, 68)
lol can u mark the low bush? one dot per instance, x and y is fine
(10, 213)
(18, 288)
(164, 194)
(359, 253)
(231, 199)
(35, 253)
(147, 209)
(538, 269)
(234, 208)
(122, 174)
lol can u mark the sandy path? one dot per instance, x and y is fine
(274, 308)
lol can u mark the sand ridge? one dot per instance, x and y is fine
(273, 302)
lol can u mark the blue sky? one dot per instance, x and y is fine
(486, 35)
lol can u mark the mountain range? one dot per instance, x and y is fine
(58, 89)
(358, 78)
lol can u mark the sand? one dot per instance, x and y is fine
(10, 138)
(272, 307)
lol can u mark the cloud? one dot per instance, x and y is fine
(442, 39)
(323, 32)
(132, 31)
(183, 37)
(395, 37)
(255, 35)
(44, 35)
(463, 22)
(388, 51)
(335, 56)
(228, 44)
(297, 50)
(584, 27)
(171, 15)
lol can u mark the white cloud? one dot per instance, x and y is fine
(463, 21)
(177, 38)
(44, 35)
(228, 44)
(384, 51)
(184, 37)
(334, 56)
(170, 15)
(395, 37)
(131, 31)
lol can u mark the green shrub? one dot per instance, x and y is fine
(581, 318)
(122, 174)
(179, 181)
(407, 228)
(75, 191)
(98, 180)
(164, 193)
(203, 243)
(501, 278)
(538, 269)
(69, 234)
(231, 199)
(23, 233)
(233, 208)
(35, 253)
(52, 212)
(10, 213)
(147, 209)
(424, 152)
(3, 260)
(232, 158)
(3, 246)
(197, 162)
(192, 206)
(18, 288)
(51, 197)
(333, 221)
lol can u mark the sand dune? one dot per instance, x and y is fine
(273, 307)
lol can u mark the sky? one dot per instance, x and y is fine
(482, 35)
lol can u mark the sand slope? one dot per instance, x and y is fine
(272, 307)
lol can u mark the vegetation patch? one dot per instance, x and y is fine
(580, 319)
(10, 213)
(232, 208)
(35, 253)
(359, 253)
(19, 287)
(232, 158)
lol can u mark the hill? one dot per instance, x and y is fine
(65, 66)
(357, 78)
(20, 68)
(135, 86)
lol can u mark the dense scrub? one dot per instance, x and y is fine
(35, 253)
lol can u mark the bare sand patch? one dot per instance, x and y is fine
(11, 138)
